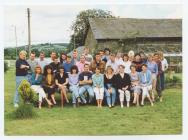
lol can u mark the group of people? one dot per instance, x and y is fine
(109, 76)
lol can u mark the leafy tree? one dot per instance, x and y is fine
(81, 25)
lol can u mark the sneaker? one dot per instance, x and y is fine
(16, 105)
(78, 100)
(121, 106)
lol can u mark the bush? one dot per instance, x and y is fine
(27, 94)
(5, 66)
(25, 111)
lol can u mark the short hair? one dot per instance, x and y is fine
(32, 53)
(74, 67)
(137, 54)
(112, 54)
(97, 53)
(106, 49)
(75, 50)
(144, 65)
(109, 67)
(122, 66)
(132, 66)
(23, 52)
(125, 55)
(60, 67)
(42, 52)
(86, 64)
(156, 54)
(68, 56)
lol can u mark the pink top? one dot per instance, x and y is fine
(81, 66)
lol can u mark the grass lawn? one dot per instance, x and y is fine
(162, 118)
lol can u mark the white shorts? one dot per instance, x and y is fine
(99, 93)
(153, 76)
(145, 90)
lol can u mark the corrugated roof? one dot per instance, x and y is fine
(122, 28)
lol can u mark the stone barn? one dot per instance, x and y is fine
(124, 34)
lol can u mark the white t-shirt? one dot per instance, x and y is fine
(114, 65)
(127, 66)
(164, 64)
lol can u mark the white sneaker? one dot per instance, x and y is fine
(16, 105)
(121, 106)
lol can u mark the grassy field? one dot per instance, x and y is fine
(162, 118)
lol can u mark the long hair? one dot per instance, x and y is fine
(46, 68)
(37, 68)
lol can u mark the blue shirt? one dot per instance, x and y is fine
(67, 66)
(152, 66)
(145, 78)
(37, 81)
(98, 80)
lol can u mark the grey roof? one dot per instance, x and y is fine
(122, 28)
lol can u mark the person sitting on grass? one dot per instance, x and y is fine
(98, 86)
(49, 83)
(145, 83)
(123, 85)
(61, 80)
(36, 81)
(109, 86)
(74, 85)
(85, 82)
(135, 87)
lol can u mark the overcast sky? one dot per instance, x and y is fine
(52, 23)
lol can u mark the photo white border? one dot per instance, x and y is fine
(80, 2)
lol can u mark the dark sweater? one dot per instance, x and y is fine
(123, 82)
(19, 71)
(111, 82)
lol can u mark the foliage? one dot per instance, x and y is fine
(81, 25)
(25, 111)
(26, 92)
(5, 66)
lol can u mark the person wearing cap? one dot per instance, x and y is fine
(97, 62)
(61, 80)
(123, 82)
(68, 64)
(22, 68)
(112, 62)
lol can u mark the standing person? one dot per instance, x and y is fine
(81, 63)
(42, 61)
(153, 68)
(123, 85)
(106, 55)
(68, 64)
(36, 81)
(61, 80)
(112, 62)
(98, 86)
(119, 59)
(135, 84)
(49, 83)
(145, 83)
(55, 65)
(33, 63)
(22, 68)
(164, 68)
(109, 86)
(75, 58)
(143, 57)
(88, 56)
(158, 84)
(97, 62)
(126, 63)
(101, 53)
(131, 55)
(138, 62)
(85, 82)
(63, 58)
(74, 85)
(53, 56)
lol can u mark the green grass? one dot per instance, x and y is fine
(162, 118)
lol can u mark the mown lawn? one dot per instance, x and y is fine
(162, 118)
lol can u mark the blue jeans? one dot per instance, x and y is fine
(89, 89)
(108, 96)
(75, 92)
(18, 81)
(29, 76)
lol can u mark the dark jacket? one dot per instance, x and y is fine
(123, 82)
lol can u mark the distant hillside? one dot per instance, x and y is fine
(10, 53)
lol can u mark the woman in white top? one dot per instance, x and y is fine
(126, 63)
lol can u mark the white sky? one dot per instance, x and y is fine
(52, 23)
